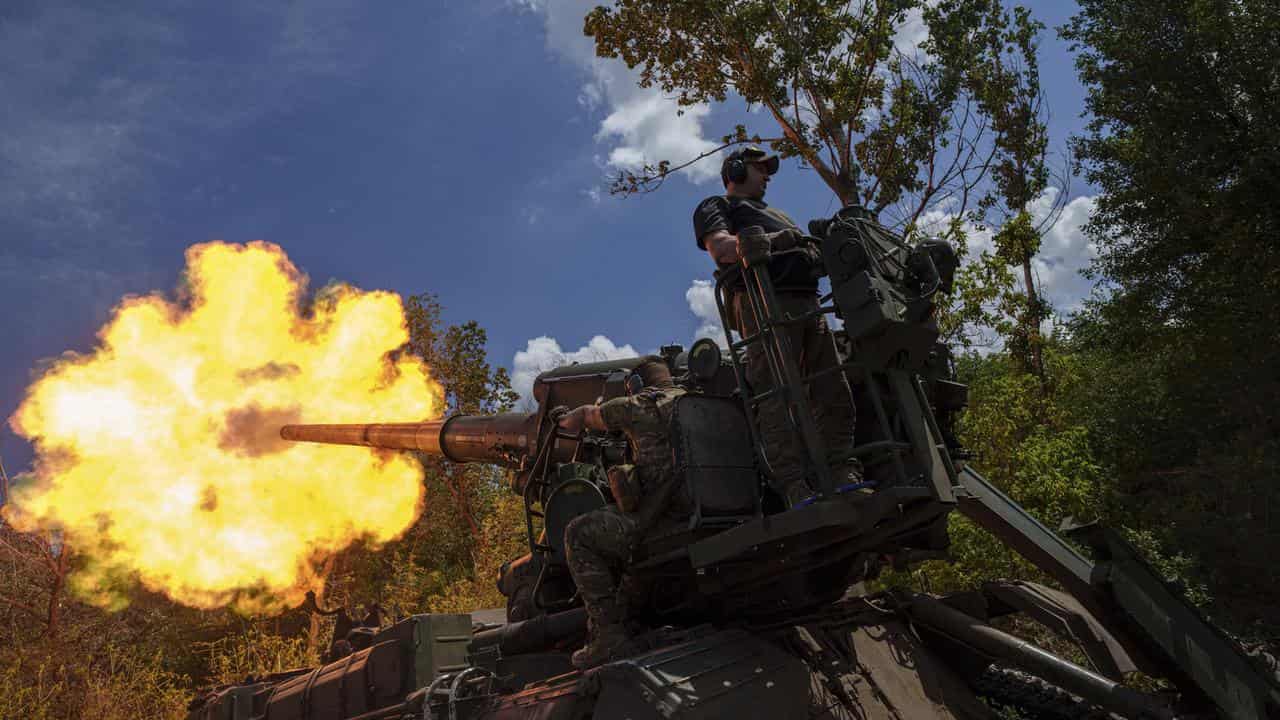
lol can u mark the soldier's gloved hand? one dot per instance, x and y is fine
(817, 266)
(754, 245)
(786, 239)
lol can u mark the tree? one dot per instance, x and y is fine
(39, 589)
(45, 562)
(1018, 206)
(1184, 143)
(1020, 173)
(456, 356)
(1034, 447)
(956, 126)
(899, 132)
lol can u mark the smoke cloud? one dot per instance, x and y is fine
(254, 431)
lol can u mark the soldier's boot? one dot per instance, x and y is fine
(849, 476)
(607, 636)
(605, 643)
(796, 492)
(846, 477)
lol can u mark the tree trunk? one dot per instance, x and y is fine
(53, 616)
(847, 189)
(314, 626)
(1033, 322)
(451, 478)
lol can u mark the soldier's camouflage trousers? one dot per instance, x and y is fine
(814, 350)
(596, 547)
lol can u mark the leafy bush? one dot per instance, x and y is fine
(233, 658)
(118, 683)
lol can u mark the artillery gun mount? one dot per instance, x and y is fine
(754, 610)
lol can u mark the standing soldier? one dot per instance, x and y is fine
(717, 221)
(598, 544)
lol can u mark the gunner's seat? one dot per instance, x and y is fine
(713, 459)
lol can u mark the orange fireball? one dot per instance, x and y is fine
(158, 456)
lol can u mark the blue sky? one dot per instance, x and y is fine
(457, 147)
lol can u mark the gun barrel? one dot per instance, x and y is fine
(498, 439)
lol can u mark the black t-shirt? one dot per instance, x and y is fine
(789, 271)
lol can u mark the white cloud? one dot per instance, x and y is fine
(702, 303)
(642, 124)
(544, 353)
(912, 33)
(1064, 249)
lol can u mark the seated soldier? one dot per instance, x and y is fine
(598, 544)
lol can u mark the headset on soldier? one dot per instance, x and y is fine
(734, 167)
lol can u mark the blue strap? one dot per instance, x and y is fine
(838, 491)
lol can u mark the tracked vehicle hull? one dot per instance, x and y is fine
(868, 667)
(821, 671)
(857, 659)
(757, 610)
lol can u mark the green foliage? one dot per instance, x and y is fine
(1017, 239)
(1183, 142)
(29, 690)
(502, 538)
(1049, 451)
(456, 356)
(1010, 95)
(1190, 436)
(975, 302)
(122, 683)
(1156, 411)
(440, 563)
(1031, 447)
(128, 686)
(892, 129)
(254, 652)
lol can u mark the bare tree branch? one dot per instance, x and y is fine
(4, 486)
(20, 605)
(38, 562)
(651, 177)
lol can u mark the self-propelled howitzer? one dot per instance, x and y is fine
(751, 609)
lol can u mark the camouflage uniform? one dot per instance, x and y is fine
(598, 544)
(814, 349)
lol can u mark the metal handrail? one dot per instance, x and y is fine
(785, 375)
(761, 296)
